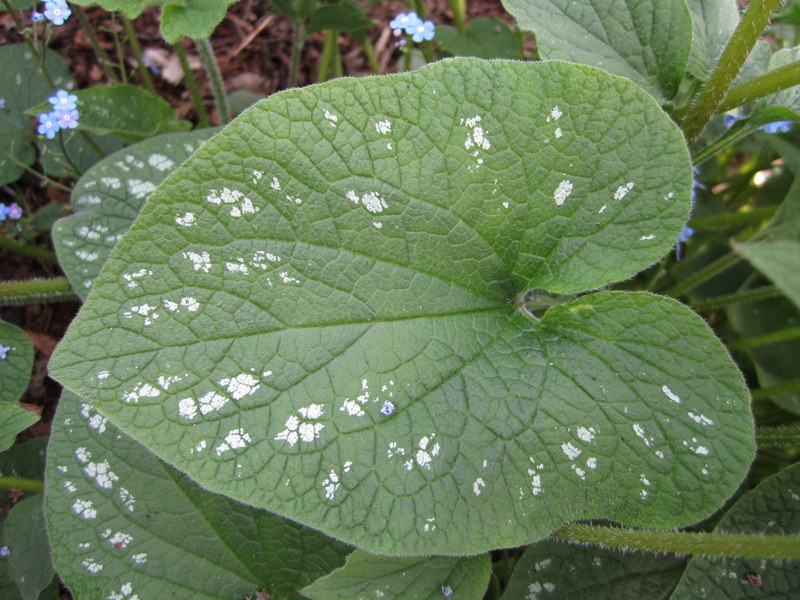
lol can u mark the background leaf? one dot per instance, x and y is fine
(559, 571)
(23, 87)
(320, 257)
(108, 198)
(484, 38)
(778, 260)
(713, 23)
(192, 18)
(393, 578)
(29, 559)
(15, 374)
(129, 8)
(773, 508)
(118, 519)
(647, 41)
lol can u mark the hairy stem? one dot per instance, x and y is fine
(102, 55)
(18, 483)
(779, 437)
(459, 9)
(215, 78)
(194, 89)
(298, 41)
(35, 291)
(704, 274)
(784, 335)
(779, 547)
(27, 250)
(51, 182)
(767, 291)
(133, 40)
(769, 83)
(753, 22)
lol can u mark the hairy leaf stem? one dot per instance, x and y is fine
(28, 250)
(102, 56)
(194, 89)
(750, 27)
(215, 78)
(777, 547)
(769, 83)
(18, 483)
(760, 293)
(133, 40)
(715, 268)
(35, 291)
(459, 9)
(298, 41)
(787, 437)
(784, 335)
(51, 182)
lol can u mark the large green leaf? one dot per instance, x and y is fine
(368, 241)
(118, 518)
(713, 23)
(108, 198)
(16, 362)
(22, 87)
(484, 38)
(771, 508)
(393, 578)
(647, 41)
(29, 558)
(554, 570)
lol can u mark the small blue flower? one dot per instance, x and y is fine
(63, 100)
(48, 124)
(682, 239)
(729, 120)
(3, 351)
(67, 119)
(36, 16)
(423, 31)
(3, 215)
(387, 408)
(778, 127)
(4, 551)
(405, 21)
(2, 103)
(57, 11)
(14, 211)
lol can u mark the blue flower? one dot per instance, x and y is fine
(36, 16)
(682, 239)
(2, 103)
(67, 119)
(3, 350)
(778, 127)
(4, 551)
(13, 211)
(48, 124)
(405, 21)
(423, 31)
(3, 215)
(63, 100)
(57, 11)
(729, 120)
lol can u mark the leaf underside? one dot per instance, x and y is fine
(367, 241)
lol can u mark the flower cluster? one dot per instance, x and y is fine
(412, 25)
(63, 116)
(55, 11)
(13, 211)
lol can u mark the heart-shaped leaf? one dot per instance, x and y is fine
(119, 518)
(394, 578)
(323, 312)
(108, 198)
(647, 41)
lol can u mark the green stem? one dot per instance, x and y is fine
(298, 41)
(784, 335)
(776, 390)
(328, 54)
(72, 165)
(427, 48)
(768, 291)
(133, 40)
(35, 291)
(704, 274)
(36, 54)
(779, 547)
(733, 218)
(102, 55)
(369, 52)
(752, 24)
(778, 437)
(215, 78)
(27, 250)
(194, 89)
(51, 182)
(459, 9)
(18, 483)
(769, 83)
